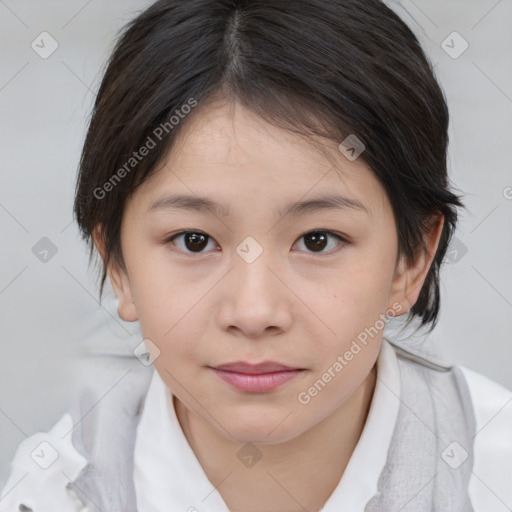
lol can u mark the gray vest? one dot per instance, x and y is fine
(429, 462)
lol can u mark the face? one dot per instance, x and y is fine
(289, 257)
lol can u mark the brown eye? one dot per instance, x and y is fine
(190, 241)
(317, 241)
(195, 242)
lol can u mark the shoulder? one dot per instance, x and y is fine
(491, 480)
(492, 402)
(42, 466)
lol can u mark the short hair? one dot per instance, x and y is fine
(331, 68)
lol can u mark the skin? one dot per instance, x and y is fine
(295, 305)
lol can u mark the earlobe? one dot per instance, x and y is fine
(409, 279)
(121, 286)
(398, 287)
(119, 281)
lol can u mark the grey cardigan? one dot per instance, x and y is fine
(434, 431)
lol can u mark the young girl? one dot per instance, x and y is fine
(266, 185)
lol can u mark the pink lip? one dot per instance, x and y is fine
(256, 378)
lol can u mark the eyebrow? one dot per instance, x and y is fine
(207, 206)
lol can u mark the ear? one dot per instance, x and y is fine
(119, 280)
(408, 280)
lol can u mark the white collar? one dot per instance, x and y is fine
(168, 475)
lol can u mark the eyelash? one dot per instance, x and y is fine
(342, 240)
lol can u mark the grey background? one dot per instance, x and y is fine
(49, 311)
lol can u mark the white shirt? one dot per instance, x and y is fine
(168, 477)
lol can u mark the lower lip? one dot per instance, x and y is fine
(259, 383)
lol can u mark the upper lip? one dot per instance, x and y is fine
(254, 369)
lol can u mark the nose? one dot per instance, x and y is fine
(254, 300)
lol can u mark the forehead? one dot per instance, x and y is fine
(227, 153)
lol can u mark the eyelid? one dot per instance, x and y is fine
(342, 239)
(170, 238)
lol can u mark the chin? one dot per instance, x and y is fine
(261, 437)
(256, 429)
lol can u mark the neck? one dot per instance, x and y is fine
(296, 475)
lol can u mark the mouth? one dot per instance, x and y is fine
(256, 378)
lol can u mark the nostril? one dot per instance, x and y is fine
(24, 508)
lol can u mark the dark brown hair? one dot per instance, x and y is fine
(317, 67)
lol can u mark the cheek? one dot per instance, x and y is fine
(365, 287)
(372, 272)
(176, 318)
(158, 290)
(353, 303)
